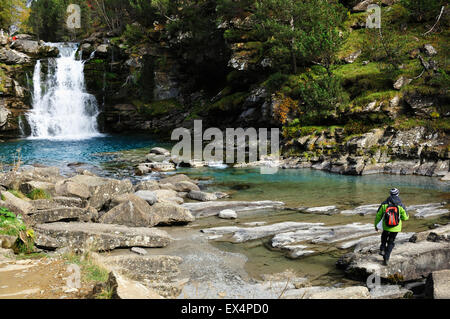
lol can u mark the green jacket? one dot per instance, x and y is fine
(395, 229)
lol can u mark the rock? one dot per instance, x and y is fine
(409, 261)
(175, 179)
(7, 241)
(439, 234)
(15, 204)
(102, 49)
(156, 158)
(27, 187)
(139, 250)
(390, 292)
(185, 186)
(322, 210)
(60, 214)
(55, 202)
(227, 214)
(372, 243)
(437, 285)
(123, 288)
(167, 195)
(243, 234)
(428, 210)
(149, 185)
(355, 292)
(26, 46)
(149, 196)
(446, 177)
(145, 168)
(212, 208)
(157, 272)
(167, 186)
(362, 210)
(10, 56)
(352, 57)
(100, 237)
(401, 82)
(134, 212)
(160, 151)
(201, 196)
(429, 50)
(102, 190)
(4, 112)
(171, 214)
(70, 189)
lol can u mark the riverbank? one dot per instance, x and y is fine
(280, 238)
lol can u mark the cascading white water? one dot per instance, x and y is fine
(61, 107)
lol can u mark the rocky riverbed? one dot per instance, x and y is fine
(173, 236)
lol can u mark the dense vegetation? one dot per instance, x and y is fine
(302, 45)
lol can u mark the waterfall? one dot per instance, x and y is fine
(61, 107)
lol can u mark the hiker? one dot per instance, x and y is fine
(392, 211)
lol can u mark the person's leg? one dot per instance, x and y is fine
(384, 237)
(390, 245)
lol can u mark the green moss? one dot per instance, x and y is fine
(229, 102)
(157, 108)
(17, 193)
(38, 193)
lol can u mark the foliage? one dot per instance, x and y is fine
(12, 12)
(423, 10)
(48, 19)
(322, 97)
(38, 193)
(13, 225)
(284, 107)
(304, 31)
(17, 193)
(91, 271)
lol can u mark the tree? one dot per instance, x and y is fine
(12, 12)
(308, 30)
(48, 19)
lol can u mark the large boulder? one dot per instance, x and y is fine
(201, 196)
(168, 196)
(185, 186)
(149, 196)
(15, 204)
(134, 212)
(204, 209)
(171, 214)
(60, 214)
(437, 285)
(409, 261)
(99, 237)
(72, 189)
(102, 190)
(149, 185)
(27, 187)
(10, 56)
(175, 179)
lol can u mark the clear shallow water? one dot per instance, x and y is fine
(306, 187)
(62, 152)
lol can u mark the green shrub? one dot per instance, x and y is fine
(38, 193)
(17, 193)
(13, 225)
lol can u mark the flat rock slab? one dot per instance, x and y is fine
(409, 261)
(59, 214)
(390, 292)
(428, 210)
(362, 210)
(437, 285)
(100, 237)
(243, 234)
(213, 208)
(317, 292)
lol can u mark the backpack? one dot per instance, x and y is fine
(391, 215)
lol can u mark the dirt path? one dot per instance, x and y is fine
(40, 278)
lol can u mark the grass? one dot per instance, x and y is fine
(91, 271)
(38, 193)
(17, 193)
(13, 225)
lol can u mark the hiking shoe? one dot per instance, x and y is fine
(385, 261)
(381, 252)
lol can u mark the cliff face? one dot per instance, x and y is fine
(149, 79)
